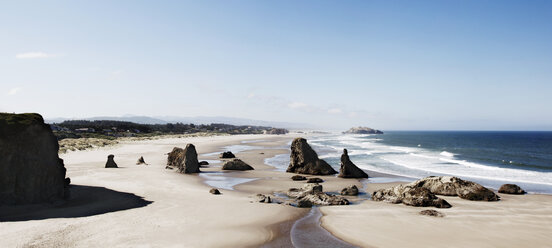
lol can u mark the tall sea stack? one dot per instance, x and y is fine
(30, 168)
(304, 160)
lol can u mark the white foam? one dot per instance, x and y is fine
(447, 154)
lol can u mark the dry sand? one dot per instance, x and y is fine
(150, 206)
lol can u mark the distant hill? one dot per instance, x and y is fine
(195, 120)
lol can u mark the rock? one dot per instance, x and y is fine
(315, 180)
(110, 162)
(203, 163)
(263, 198)
(411, 196)
(30, 168)
(305, 190)
(304, 203)
(185, 160)
(141, 161)
(214, 191)
(348, 169)
(351, 190)
(304, 160)
(454, 186)
(298, 178)
(325, 199)
(363, 130)
(511, 189)
(67, 182)
(227, 154)
(236, 164)
(431, 212)
(168, 167)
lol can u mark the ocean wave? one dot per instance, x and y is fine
(447, 154)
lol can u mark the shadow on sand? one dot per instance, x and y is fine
(85, 201)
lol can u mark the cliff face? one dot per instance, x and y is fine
(30, 169)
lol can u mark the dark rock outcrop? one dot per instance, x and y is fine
(432, 212)
(30, 169)
(313, 193)
(315, 180)
(410, 195)
(67, 182)
(305, 190)
(351, 190)
(298, 178)
(185, 160)
(454, 186)
(348, 169)
(203, 163)
(111, 162)
(236, 164)
(263, 198)
(214, 191)
(511, 189)
(141, 161)
(363, 130)
(227, 154)
(304, 160)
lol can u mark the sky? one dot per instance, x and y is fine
(390, 65)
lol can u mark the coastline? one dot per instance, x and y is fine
(182, 211)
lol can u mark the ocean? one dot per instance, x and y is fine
(488, 158)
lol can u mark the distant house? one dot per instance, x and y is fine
(85, 130)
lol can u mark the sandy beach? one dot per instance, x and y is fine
(150, 206)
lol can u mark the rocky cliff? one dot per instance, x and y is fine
(30, 169)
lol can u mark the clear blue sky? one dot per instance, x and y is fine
(384, 64)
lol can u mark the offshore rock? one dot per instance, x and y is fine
(227, 154)
(363, 130)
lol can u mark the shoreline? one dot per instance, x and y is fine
(178, 209)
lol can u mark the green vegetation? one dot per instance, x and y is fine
(106, 129)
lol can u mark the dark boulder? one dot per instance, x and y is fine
(298, 178)
(511, 189)
(236, 164)
(305, 190)
(325, 199)
(227, 154)
(141, 161)
(263, 198)
(214, 191)
(351, 190)
(304, 203)
(30, 168)
(67, 182)
(348, 169)
(203, 163)
(431, 212)
(111, 162)
(304, 160)
(185, 160)
(315, 180)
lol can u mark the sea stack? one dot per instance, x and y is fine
(348, 169)
(184, 159)
(304, 160)
(111, 162)
(30, 169)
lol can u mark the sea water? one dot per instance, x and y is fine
(489, 158)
